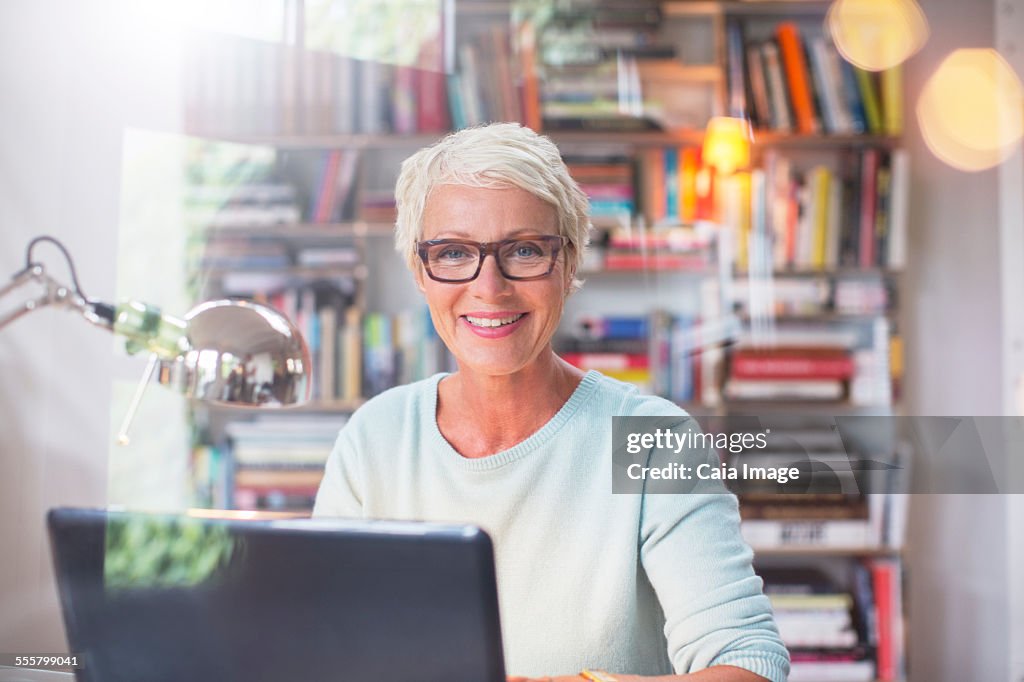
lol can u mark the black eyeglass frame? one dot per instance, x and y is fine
(486, 248)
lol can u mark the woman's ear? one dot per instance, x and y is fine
(419, 276)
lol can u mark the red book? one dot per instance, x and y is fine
(868, 206)
(797, 78)
(654, 261)
(881, 576)
(602, 361)
(431, 96)
(328, 188)
(706, 189)
(775, 365)
(654, 184)
(531, 84)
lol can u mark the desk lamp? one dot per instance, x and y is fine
(230, 352)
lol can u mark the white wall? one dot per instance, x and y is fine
(1010, 43)
(73, 75)
(953, 325)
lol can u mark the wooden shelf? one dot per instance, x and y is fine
(358, 271)
(682, 8)
(654, 138)
(358, 228)
(306, 408)
(815, 550)
(634, 272)
(834, 272)
(825, 316)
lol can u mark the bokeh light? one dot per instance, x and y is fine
(877, 34)
(971, 110)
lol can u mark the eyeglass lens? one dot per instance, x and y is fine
(454, 260)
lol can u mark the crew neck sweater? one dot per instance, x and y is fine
(642, 584)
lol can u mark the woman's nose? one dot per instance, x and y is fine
(490, 282)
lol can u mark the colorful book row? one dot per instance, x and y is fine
(795, 81)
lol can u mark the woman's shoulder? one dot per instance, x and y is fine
(390, 406)
(623, 399)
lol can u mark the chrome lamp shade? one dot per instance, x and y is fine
(241, 353)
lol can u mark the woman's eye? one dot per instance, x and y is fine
(527, 251)
(452, 253)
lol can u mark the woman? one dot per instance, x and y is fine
(519, 442)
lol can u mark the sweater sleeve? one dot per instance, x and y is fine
(340, 493)
(701, 570)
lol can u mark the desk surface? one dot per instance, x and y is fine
(8, 674)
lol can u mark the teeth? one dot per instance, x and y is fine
(492, 322)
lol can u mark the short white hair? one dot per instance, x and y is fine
(497, 155)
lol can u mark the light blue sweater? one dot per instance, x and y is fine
(638, 584)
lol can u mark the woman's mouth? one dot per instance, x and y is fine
(491, 322)
(494, 326)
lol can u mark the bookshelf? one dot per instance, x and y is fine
(337, 124)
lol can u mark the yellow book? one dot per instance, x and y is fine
(892, 100)
(821, 179)
(639, 376)
(743, 219)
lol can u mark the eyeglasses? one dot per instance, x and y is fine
(460, 260)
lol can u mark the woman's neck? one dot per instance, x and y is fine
(482, 415)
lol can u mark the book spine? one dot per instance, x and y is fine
(798, 77)
(868, 199)
(869, 98)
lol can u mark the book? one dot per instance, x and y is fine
(762, 106)
(608, 361)
(832, 671)
(868, 207)
(791, 364)
(765, 533)
(782, 119)
(285, 478)
(827, 86)
(899, 208)
(431, 96)
(870, 100)
(891, 82)
(783, 389)
(797, 77)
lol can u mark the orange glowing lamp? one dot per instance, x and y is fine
(727, 144)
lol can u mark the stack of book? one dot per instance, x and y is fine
(617, 346)
(660, 353)
(250, 252)
(607, 178)
(832, 519)
(817, 623)
(250, 205)
(789, 373)
(789, 296)
(840, 360)
(278, 462)
(589, 63)
(670, 248)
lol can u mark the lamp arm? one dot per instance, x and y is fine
(53, 293)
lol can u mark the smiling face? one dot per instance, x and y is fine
(493, 326)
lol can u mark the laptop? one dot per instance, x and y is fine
(152, 598)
